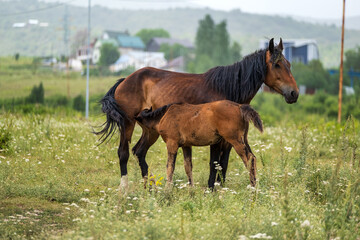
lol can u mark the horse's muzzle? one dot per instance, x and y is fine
(291, 96)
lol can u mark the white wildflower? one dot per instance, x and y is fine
(288, 149)
(86, 190)
(74, 205)
(274, 224)
(261, 236)
(306, 223)
(27, 160)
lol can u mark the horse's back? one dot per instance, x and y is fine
(151, 87)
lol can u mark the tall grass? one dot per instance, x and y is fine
(56, 171)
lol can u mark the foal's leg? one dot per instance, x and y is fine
(172, 148)
(224, 159)
(252, 160)
(248, 158)
(148, 138)
(123, 153)
(188, 164)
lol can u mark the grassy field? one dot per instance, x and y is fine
(57, 183)
(17, 79)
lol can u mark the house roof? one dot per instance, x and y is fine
(172, 41)
(130, 42)
(115, 34)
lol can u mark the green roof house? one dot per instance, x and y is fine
(130, 42)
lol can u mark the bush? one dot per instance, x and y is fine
(5, 137)
(37, 94)
(57, 100)
(79, 103)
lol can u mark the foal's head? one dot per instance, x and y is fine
(149, 118)
(279, 76)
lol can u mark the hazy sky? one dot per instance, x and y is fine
(326, 9)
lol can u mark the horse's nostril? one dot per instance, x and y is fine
(293, 94)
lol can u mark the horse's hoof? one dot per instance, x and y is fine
(124, 185)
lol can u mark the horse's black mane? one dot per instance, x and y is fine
(240, 81)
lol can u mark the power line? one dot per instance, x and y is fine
(37, 10)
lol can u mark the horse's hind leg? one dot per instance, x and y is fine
(148, 138)
(123, 153)
(188, 164)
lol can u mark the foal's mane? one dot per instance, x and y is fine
(155, 115)
(240, 81)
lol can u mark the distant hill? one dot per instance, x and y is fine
(350, 22)
(244, 27)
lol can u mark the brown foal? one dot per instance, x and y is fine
(185, 125)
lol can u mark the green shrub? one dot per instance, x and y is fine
(57, 100)
(79, 103)
(37, 94)
(5, 137)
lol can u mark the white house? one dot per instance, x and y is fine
(139, 59)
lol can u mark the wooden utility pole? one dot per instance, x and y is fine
(341, 63)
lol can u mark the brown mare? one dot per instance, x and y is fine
(150, 87)
(186, 125)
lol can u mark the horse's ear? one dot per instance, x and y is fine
(271, 46)
(281, 45)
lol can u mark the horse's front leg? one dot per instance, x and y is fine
(123, 153)
(188, 164)
(148, 138)
(225, 149)
(172, 149)
(214, 158)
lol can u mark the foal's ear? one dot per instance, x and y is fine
(281, 45)
(271, 46)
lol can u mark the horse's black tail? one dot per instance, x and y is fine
(249, 114)
(115, 117)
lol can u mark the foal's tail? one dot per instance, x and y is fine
(114, 115)
(249, 114)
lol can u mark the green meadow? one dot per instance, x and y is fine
(56, 182)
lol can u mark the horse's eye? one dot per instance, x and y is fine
(277, 65)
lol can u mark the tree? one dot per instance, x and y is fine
(78, 40)
(313, 75)
(147, 34)
(17, 56)
(108, 54)
(352, 59)
(173, 51)
(213, 46)
(221, 54)
(205, 37)
(235, 52)
(37, 94)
